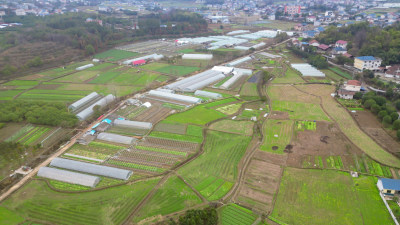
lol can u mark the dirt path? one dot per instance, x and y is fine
(48, 160)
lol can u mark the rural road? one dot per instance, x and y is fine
(48, 160)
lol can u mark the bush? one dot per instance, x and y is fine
(382, 114)
(398, 134)
(387, 120)
(397, 104)
(369, 103)
(394, 115)
(396, 125)
(358, 95)
(379, 100)
(375, 108)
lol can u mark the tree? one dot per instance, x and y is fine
(379, 100)
(396, 125)
(358, 95)
(368, 74)
(382, 114)
(387, 120)
(369, 103)
(397, 104)
(394, 116)
(35, 62)
(375, 108)
(89, 49)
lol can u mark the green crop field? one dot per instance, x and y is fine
(300, 111)
(131, 76)
(105, 77)
(277, 135)
(174, 195)
(108, 206)
(186, 50)
(249, 89)
(332, 75)
(154, 66)
(53, 73)
(220, 102)
(233, 214)
(341, 73)
(291, 77)
(9, 94)
(9, 217)
(115, 55)
(199, 115)
(222, 153)
(177, 137)
(95, 150)
(233, 126)
(305, 195)
(177, 70)
(22, 83)
(21, 132)
(78, 77)
(229, 109)
(36, 136)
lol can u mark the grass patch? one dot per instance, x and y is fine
(277, 135)
(291, 77)
(199, 115)
(234, 126)
(177, 137)
(177, 70)
(300, 111)
(230, 109)
(249, 89)
(305, 195)
(341, 73)
(115, 55)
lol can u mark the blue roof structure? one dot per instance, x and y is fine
(310, 33)
(320, 29)
(107, 121)
(339, 49)
(391, 184)
(366, 58)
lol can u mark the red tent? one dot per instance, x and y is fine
(139, 62)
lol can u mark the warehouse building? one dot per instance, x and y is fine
(176, 97)
(133, 124)
(116, 138)
(83, 115)
(68, 176)
(84, 167)
(198, 56)
(207, 94)
(83, 101)
(85, 66)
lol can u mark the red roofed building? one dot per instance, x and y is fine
(323, 47)
(139, 62)
(349, 89)
(347, 55)
(292, 9)
(341, 43)
(314, 43)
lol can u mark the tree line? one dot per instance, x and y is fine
(43, 113)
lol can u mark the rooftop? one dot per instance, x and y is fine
(341, 42)
(366, 58)
(354, 82)
(391, 184)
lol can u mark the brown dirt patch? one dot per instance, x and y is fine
(369, 123)
(260, 184)
(49, 86)
(327, 140)
(32, 77)
(277, 115)
(277, 159)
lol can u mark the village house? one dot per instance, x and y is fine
(349, 89)
(314, 43)
(367, 63)
(393, 72)
(342, 44)
(389, 187)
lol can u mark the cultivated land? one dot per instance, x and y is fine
(305, 195)
(276, 156)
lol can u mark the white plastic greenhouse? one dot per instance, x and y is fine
(85, 100)
(307, 70)
(223, 69)
(239, 61)
(85, 66)
(89, 110)
(197, 56)
(152, 56)
(183, 84)
(68, 176)
(236, 32)
(90, 168)
(133, 124)
(204, 83)
(182, 98)
(116, 138)
(237, 74)
(207, 94)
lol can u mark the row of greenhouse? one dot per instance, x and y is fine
(83, 108)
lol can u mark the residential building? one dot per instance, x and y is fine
(323, 47)
(338, 51)
(393, 72)
(389, 187)
(314, 43)
(311, 19)
(349, 89)
(293, 9)
(367, 63)
(342, 44)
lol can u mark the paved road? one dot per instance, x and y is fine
(48, 160)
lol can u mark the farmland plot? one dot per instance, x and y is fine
(199, 115)
(277, 135)
(305, 195)
(291, 77)
(290, 93)
(115, 55)
(300, 111)
(249, 89)
(214, 172)
(233, 214)
(233, 126)
(108, 206)
(174, 195)
(9, 94)
(94, 150)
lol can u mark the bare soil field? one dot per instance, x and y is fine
(290, 93)
(370, 125)
(327, 140)
(169, 144)
(154, 114)
(277, 115)
(261, 181)
(9, 129)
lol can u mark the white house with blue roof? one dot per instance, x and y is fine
(367, 63)
(389, 187)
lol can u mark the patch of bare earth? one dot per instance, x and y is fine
(277, 115)
(370, 125)
(261, 181)
(326, 140)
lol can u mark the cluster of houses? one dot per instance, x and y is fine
(339, 48)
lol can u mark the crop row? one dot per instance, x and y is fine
(161, 150)
(233, 214)
(37, 135)
(136, 166)
(20, 132)
(178, 137)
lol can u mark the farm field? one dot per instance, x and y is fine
(174, 195)
(349, 126)
(249, 89)
(9, 94)
(214, 172)
(291, 77)
(305, 195)
(277, 135)
(177, 70)
(233, 126)
(57, 72)
(233, 214)
(115, 55)
(300, 111)
(108, 206)
(199, 115)
(94, 151)
(230, 109)
(290, 93)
